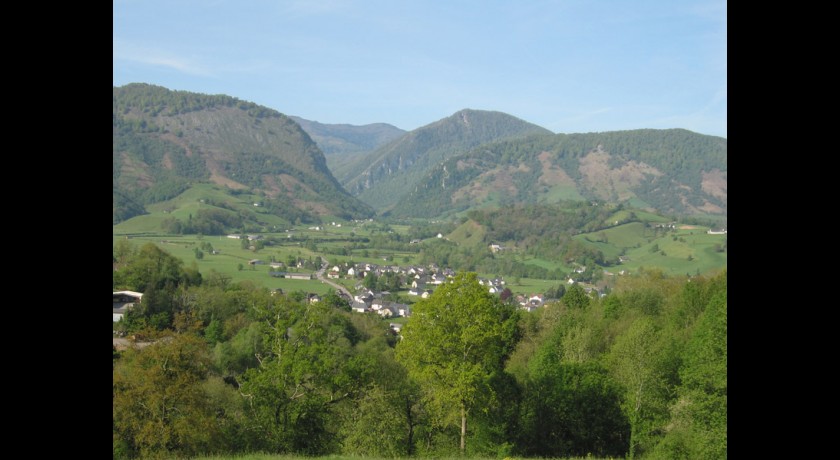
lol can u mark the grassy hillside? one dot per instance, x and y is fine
(684, 250)
(208, 197)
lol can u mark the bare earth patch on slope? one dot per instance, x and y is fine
(219, 179)
(598, 176)
(551, 173)
(714, 183)
(135, 170)
(498, 179)
(179, 142)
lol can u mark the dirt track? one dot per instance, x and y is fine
(122, 343)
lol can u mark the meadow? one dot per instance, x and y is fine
(684, 250)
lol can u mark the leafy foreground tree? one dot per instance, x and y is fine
(306, 368)
(698, 422)
(634, 362)
(160, 406)
(454, 345)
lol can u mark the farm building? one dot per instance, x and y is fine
(123, 300)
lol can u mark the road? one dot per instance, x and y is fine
(320, 275)
(121, 343)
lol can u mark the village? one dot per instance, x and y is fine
(421, 282)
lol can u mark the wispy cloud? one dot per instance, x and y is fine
(159, 58)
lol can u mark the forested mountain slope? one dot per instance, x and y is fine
(166, 141)
(673, 171)
(382, 177)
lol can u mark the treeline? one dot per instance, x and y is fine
(234, 369)
(546, 231)
(157, 100)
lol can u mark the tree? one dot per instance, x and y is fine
(213, 332)
(305, 369)
(453, 345)
(160, 407)
(575, 297)
(373, 426)
(505, 295)
(571, 409)
(698, 417)
(370, 280)
(633, 361)
(149, 267)
(333, 300)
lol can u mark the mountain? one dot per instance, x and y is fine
(343, 139)
(382, 177)
(343, 145)
(165, 142)
(673, 172)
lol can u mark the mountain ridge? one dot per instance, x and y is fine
(166, 140)
(383, 176)
(673, 171)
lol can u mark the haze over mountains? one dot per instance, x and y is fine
(167, 141)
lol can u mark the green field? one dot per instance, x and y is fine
(190, 202)
(230, 256)
(638, 203)
(526, 285)
(560, 193)
(686, 250)
(547, 264)
(701, 248)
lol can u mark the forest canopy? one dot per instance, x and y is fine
(232, 368)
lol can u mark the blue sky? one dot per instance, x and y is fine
(570, 66)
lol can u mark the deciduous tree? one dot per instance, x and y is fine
(453, 344)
